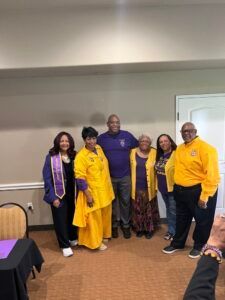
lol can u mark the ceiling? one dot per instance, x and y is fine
(50, 4)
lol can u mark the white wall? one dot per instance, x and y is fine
(80, 37)
(33, 110)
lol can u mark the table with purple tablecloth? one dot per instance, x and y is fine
(21, 256)
(6, 247)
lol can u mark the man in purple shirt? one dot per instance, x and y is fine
(117, 144)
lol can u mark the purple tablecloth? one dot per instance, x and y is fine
(6, 247)
(16, 268)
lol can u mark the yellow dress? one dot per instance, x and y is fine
(94, 222)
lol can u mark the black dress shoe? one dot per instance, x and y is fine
(126, 232)
(115, 233)
(139, 234)
(148, 235)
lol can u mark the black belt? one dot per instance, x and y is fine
(187, 188)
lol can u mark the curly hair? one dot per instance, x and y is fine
(56, 148)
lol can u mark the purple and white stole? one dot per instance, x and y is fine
(57, 174)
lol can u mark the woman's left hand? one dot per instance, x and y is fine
(90, 201)
(56, 203)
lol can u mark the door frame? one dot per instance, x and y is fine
(179, 139)
(179, 97)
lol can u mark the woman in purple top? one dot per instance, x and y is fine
(164, 167)
(145, 206)
(58, 174)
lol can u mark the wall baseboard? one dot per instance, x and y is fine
(41, 227)
(21, 186)
(163, 221)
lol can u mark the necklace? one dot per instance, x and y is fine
(65, 158)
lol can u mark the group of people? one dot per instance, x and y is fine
(117, 179)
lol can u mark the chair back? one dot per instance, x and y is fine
(13, 221)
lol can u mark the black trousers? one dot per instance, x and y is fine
(186, 209)
(63, 218)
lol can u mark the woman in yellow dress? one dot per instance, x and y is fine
(94, 202)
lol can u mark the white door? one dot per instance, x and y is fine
(207, 112)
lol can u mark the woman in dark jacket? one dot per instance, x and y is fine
(203, 282)
(58, 174)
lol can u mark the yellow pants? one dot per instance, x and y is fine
(98, 227)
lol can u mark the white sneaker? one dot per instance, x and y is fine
(105, 240)
(67, 252)
(102, 247)
(73, 243)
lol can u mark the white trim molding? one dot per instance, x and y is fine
(21, 186)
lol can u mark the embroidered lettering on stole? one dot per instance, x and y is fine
(57, 174)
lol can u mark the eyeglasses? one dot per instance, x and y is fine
(188, 131)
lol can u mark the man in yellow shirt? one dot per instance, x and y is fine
(195, 191)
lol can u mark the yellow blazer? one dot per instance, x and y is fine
(150, 171)
(169, 171)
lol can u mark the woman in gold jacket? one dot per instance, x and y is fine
(93, 207)
(144, 196)
(165, 178)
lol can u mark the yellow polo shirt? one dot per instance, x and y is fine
(197, 162)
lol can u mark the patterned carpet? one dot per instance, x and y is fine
(127, 270)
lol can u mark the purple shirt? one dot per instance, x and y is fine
(160, 172)
(141, 176)
(117, 150)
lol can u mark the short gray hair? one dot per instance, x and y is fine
(141, 137)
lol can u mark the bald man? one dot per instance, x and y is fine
(116, 145)
(195, 191)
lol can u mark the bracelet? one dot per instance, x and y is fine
(219, 260)
(218, 254)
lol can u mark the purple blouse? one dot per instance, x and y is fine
(160, 172)
(141, 178)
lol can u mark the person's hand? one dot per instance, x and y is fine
(202, 204)
(90, 202)
(217, 234)
(56, 203)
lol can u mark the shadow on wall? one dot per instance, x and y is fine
(97, 119)
(133, 103)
